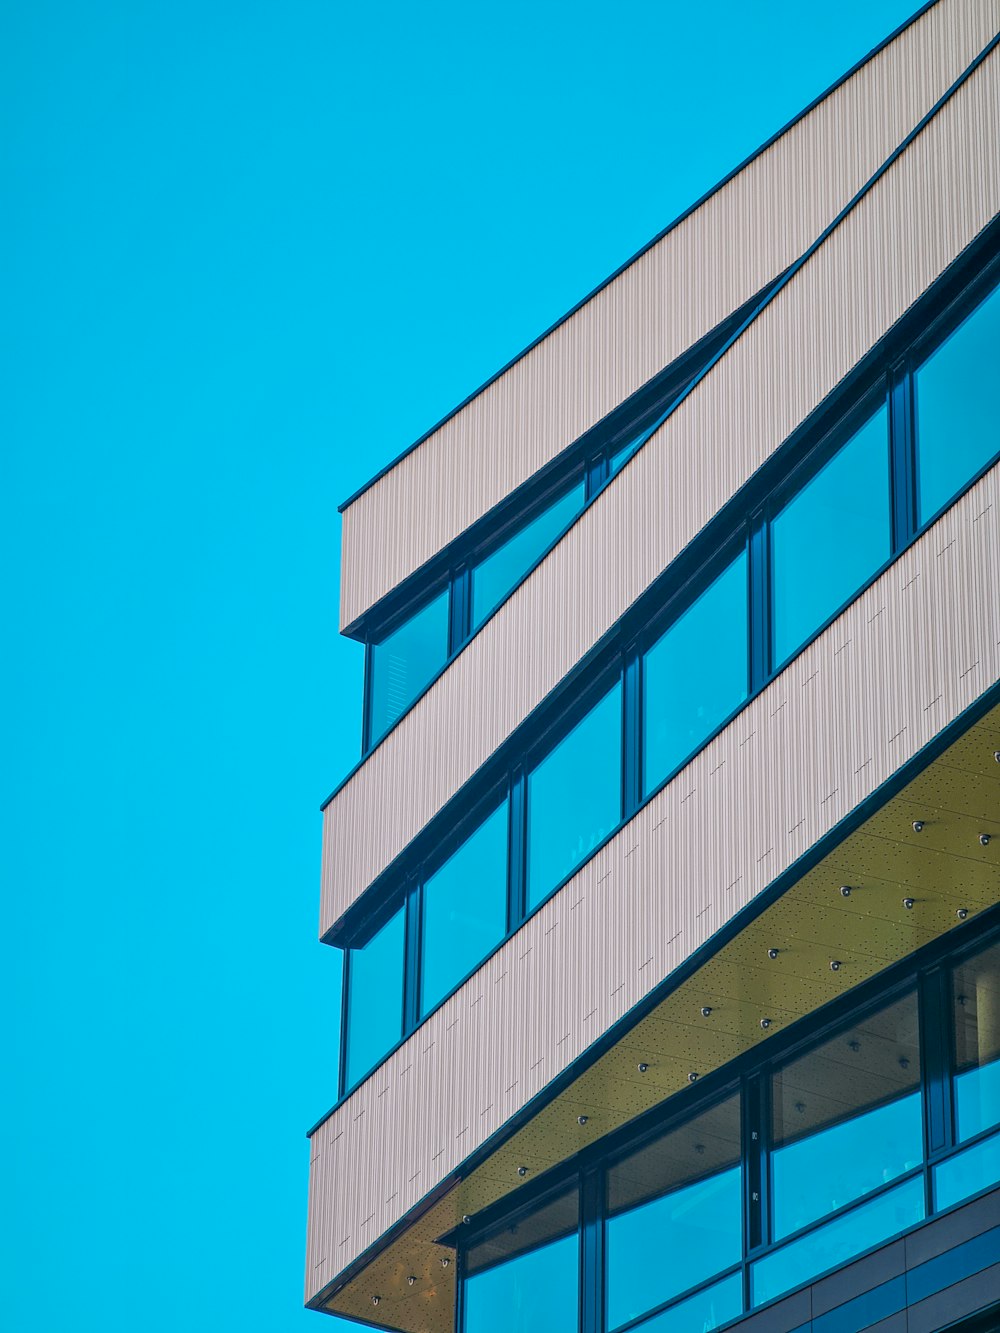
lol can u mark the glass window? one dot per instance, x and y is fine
(464, 909)
(846, 1118)
(976, 990)
(958, 413)
(695, 675)
(526, 1279)
(702, 1312)
(674, 1214)
(405, 661)
(828, 1247)
(575, 797)
(967, 1172)
(830, 537)
(622, 454)
(375, 998)
(494, 577)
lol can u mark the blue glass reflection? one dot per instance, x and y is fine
(958, 422)
(819, 1174)
(977, 1099)
(967, 1173)
(700, 1313)
(537, 1292)
(840, 1240)
(574, 797)
(831, 537)
(405, 661)
(695, 675)
(621, 455)
(375, 998)
(465, 909)
(664, 1247)
(494, 577)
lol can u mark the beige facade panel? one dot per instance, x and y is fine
(712, 261)
(928, 206)
(904, 660)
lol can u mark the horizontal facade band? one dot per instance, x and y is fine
(902, 235)
(739, 239)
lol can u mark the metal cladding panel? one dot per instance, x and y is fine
(706, 266)
(905, 659)
(905, 231)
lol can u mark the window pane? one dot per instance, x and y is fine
(674, 1214)
(375, 998)
(958, 412)
(976, 988)
(695, 675)
(404, 662)
(840, 1240)
(465, 909)
(967, 1173)
(526, 1278)
(831, 537)
(621, 455)
(574, 797)
(494, 577)
(703, 1312)
(846, 1118)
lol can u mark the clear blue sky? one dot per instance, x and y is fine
(249, 252)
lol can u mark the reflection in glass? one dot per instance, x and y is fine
(695, 675)
(405, 661)
(704, 1311)
(846, 1118)
(375, 998)
(622, 454)
(958, 408)
(976, 991)
(968, 1172)
(840, 1240)
(526, 1278)
(464, 909)
(674, 1214)
(830, 537)
(574, 797)
(494, 577)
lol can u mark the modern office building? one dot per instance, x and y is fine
(669, 879)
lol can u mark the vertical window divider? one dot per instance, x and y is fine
(344, 1023)
(755, 1174)
(517, 850)
(935, 1065)
(411, 965)
(631, 731)
(592, 1251)
(902, 455)
(460, 608)
(598, 470)
(759, 593)
(366, 702)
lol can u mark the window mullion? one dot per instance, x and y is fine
(342, 1054)
(759, 593)
(935, 1024)
(592, 1252)
(902, 456)
(460, 626)
(516, 888)
(411, 981)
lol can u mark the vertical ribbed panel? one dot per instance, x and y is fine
(930, 204)
(915, 650)
(705, 267)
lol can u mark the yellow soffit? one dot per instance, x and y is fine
(943, 869)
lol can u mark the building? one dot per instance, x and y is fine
(669, 880)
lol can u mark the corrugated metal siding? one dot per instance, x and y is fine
(703, 269)
(904, 233)
(904, 660)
